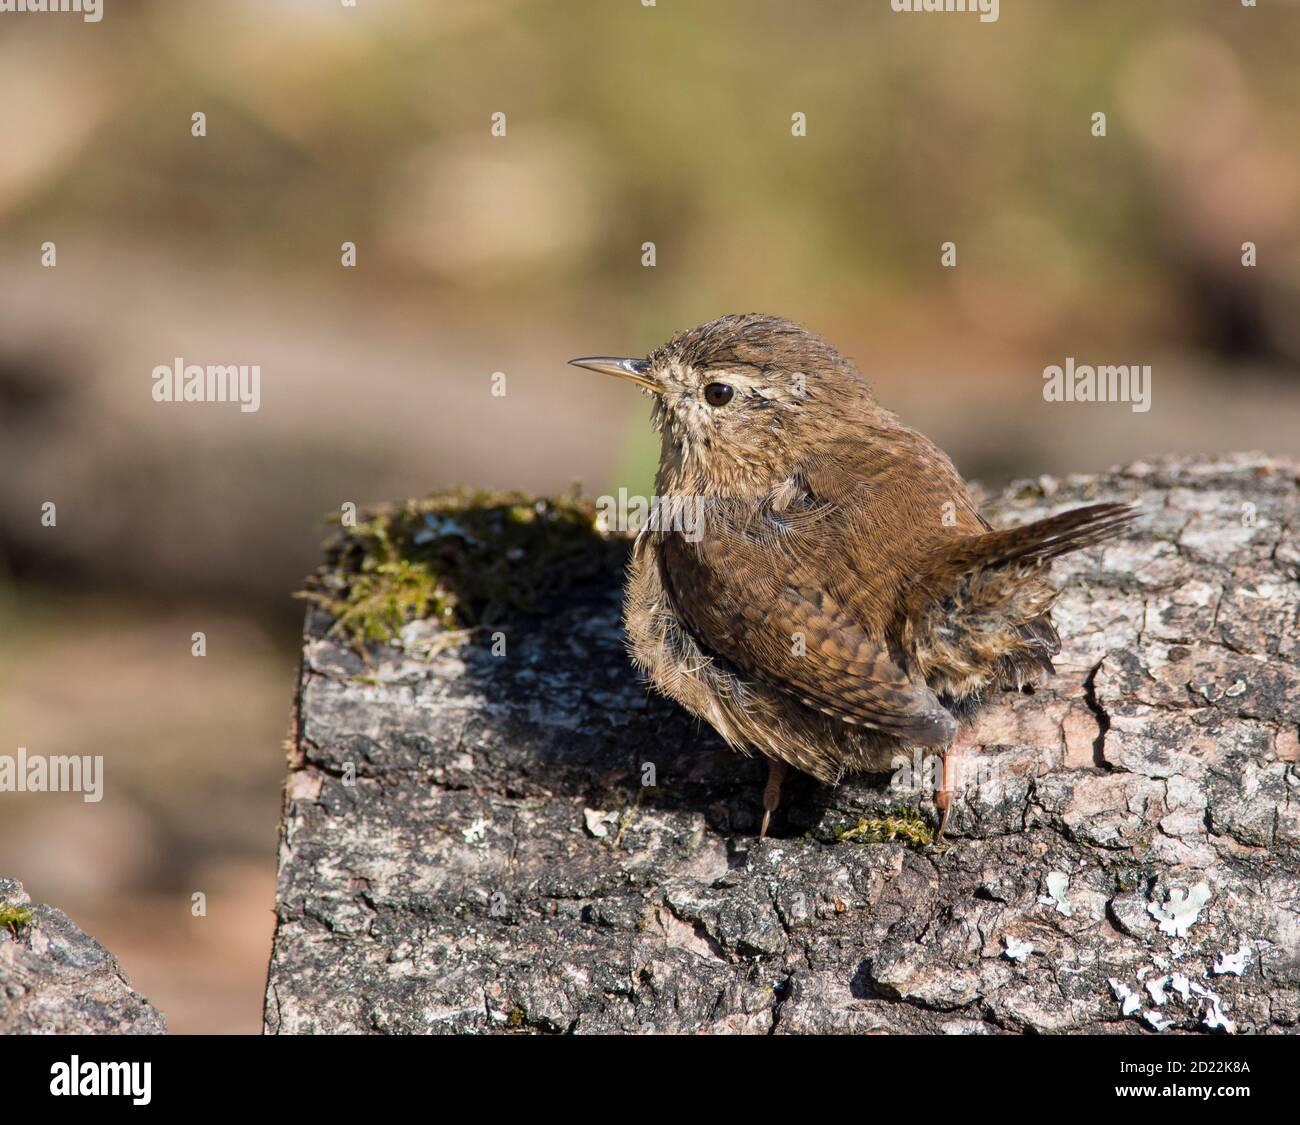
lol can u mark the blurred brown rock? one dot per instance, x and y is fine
(57, 980)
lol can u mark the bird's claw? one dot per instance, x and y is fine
(776, 772)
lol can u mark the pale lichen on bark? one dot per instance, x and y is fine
(498, 864)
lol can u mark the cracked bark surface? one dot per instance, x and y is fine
(1125, 859)
(55, 979)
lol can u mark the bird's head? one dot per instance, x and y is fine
(742, 400)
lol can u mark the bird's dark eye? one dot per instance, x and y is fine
(718, 394)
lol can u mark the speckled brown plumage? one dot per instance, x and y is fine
(842, 597)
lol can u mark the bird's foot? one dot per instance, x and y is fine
(945, 796)
(776, 772)
(942, 801)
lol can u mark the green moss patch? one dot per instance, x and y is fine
(11, 917)
(467, 558)
(896, 824)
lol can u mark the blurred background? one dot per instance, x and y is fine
(476, 254)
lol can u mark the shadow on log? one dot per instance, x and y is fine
(528, 841)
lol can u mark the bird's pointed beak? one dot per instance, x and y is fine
(635, 370)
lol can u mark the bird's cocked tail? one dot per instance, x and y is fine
(1043, 540)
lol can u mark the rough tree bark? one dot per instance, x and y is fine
(1130, 859)
(57, 980)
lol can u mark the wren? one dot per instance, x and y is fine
(842, 598)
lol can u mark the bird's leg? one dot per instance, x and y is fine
(948, 786)
(943, 798)
(776, 772)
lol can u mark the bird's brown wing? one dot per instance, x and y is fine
(747, 592)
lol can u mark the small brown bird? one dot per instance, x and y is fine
(841, 597)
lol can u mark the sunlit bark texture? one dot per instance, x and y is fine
(532, 843)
